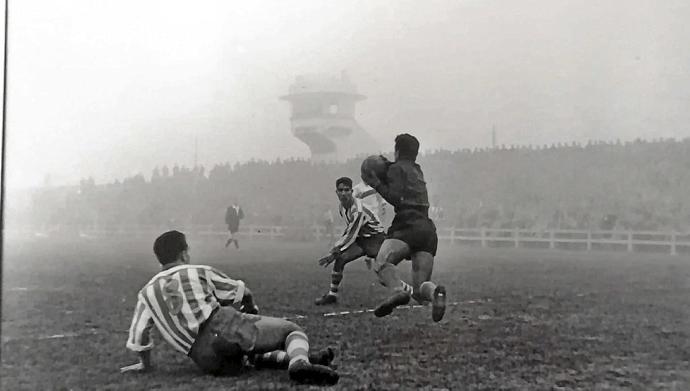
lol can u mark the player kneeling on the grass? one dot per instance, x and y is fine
(362, 237)
(412, 233)
(190, 307)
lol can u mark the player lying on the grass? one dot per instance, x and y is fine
(363, 236)
(412, 233)
(190, 307)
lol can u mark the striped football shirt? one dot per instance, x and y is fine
(370, 198)
(361, 221)
(178, 301)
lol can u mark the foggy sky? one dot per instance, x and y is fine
(113, 88)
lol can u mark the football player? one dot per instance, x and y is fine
(411, 234)
(190, 307)
(371, 199)
(363, 236)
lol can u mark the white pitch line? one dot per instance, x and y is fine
(53, 336)
(326, 315)
(456, 303)
(402, 307)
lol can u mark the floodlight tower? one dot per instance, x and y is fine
(323, 117)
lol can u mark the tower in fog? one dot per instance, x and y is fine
(323, 117)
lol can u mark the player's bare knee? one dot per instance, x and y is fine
(381, 269)
(387, 257)
(290, 327)
(379, 264)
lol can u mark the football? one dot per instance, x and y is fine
(376, 163)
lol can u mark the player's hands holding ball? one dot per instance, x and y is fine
(373, 169)
(370, 178)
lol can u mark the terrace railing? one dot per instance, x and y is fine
(632, 241)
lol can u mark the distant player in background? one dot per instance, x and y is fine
(363, 236)
(190, 307)
(411, 234)
(233, 215)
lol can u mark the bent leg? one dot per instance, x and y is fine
(424, 289)
(215, 352)
(272, 333)
(278, 359)
(234, 237)
(422, 268)
(230, 239)
(350, 254)
(391, 253)
(280, 334)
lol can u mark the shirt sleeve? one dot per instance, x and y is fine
(224, 287)
(139, 338)
(351, 231)
(392, 189)
(365, 194)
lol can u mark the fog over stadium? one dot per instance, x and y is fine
(198, 177)
(110, 89)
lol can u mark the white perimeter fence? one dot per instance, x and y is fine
(631, 241)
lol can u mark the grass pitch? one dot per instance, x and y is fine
(526, 319)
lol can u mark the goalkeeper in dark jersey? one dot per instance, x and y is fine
(412, 233)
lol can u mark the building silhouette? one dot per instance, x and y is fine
(323, 117)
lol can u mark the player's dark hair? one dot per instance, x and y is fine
(345, 181)
(168, 246)
(407, 146)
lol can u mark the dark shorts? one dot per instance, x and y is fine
(233, 228)
(371, 245)
(223, 340)
(415, 229)
(363, 246)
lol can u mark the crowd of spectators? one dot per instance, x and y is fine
(636, 185)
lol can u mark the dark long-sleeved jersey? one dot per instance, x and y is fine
(404, 186)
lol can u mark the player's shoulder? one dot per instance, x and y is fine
(207, 268)
(180, 269)
(398, 167)
(360, 187)
(215, 273)
(401, 164)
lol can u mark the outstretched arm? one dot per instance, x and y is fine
(232, 292)
(345, 241)
(144, 364)
(248, 305)
(139, 339)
